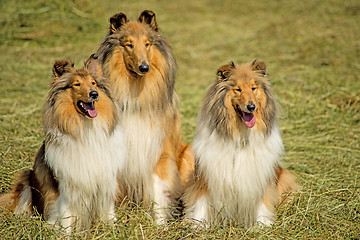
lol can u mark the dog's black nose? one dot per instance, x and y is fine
(144, 67)
(251, 107)
(94, 94)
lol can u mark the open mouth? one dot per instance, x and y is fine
(132, 70)
(249, 118)
(87, 108)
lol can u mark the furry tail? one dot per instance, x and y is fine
(186, 164)
(6, 201)
(19, 199)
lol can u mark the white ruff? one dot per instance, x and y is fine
(237, 172)
(87, 168)
(144, 139)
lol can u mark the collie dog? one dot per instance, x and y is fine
(74, 178)
(237, 151)
(140, 68)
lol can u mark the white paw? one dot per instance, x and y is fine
(198, 224)
(161, 221)
(264, 216)
(264, 221)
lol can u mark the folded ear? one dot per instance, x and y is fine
(223, 73)
(62, 66)
(258, 66)
(93, 66)
(149, 18)
(117, 21)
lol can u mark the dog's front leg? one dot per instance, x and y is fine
(264, 216)
(198, 213)
(60, 215)
(161, 198)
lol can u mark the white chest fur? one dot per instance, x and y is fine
(144, 137)
(90, 161)
(237, 174)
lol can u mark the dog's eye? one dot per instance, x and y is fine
(238, 89)
(77, 84)
(129, 45)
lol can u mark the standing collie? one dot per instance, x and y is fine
(140, 68)
(237, 151)
(74, 178)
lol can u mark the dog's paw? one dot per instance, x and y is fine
(196, 223)
(264, 221)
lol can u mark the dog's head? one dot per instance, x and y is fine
(245, 89)
(136, 39)
(78, 86)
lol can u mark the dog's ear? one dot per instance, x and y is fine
(149, 18)
(117, 21)
(62, 66)
(223, 73)
(259, 66)
(93, 66)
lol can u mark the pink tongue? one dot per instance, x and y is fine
(92, 113)
(249, 119)
(90, 108)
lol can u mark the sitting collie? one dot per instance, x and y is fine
(237, 149)
(140, 67)
(74, 178)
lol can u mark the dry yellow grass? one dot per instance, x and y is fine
(312, 50)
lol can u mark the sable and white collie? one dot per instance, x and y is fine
(140, 68)
(237, 151)
(74, 178)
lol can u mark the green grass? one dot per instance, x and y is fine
(312, 51)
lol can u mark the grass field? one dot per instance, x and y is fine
(312, 51)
